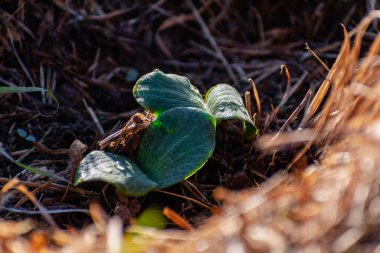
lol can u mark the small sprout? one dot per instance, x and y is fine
(224, 102)
(23, 134)
(30, 138)
(152, 217)
(177, 143)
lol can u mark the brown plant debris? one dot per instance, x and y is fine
(309, 183)
(331, 207)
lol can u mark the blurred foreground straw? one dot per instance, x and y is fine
(331, 207)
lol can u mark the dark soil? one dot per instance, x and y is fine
(93, 51)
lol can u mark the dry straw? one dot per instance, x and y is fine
(331, 207)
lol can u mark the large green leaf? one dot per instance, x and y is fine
(159, 92)
(176, 145)
(224, 103)
(117, 170)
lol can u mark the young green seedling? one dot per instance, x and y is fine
(177, 143)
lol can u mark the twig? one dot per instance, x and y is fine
(189, 185)
(288, 93)
(316, 57)
(39, 188)
(260, 24)
(248, 103)
(16, 210)
(268, 71)
(187, 198)
(20, 61)
(42, 148)
(213, 43)
(15, 184)
(256, 95)
(23, 156)
(52, 187)
(94, 117)
(177, 219)
(294, 114)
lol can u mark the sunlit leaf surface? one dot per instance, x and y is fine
(117, 170)
(176, 145)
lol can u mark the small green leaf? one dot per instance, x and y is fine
(176, 145)
(152, 217)
(20, 89)
(159, 92)
(117, 170)
(22, 133)
(132, 75)
(224, 103)
(30, 138)
(9, 90)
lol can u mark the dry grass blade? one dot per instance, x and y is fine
(322, 91)
(290, 90)
(37, 189)
(76, 154)
(187, 198)
(51, 187)
(257, 97)
(98, 216)
(15, 184)
(41, 147)
(277, 140)
(213, 43)
(296, 111)
(24, 68)
(317, 57)
(248, 103)
(94, 118)
(293, 115)
(177, 219)
(193, 189)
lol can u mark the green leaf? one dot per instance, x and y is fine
(20, 89)
(159, 92)
(176, 145)
(22, 133)
(152, 217)
(224, 103)
(30, 138)
(117, 170)
(8, 90)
